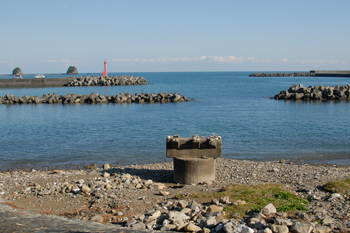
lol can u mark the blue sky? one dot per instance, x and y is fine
(192, 35)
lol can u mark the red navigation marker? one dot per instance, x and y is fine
(104, 74)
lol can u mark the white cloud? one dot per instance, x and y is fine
(225, 59)
(307, 62)
(284, 60)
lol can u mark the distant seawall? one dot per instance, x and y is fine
(74, 81)
(317, 73)
(331, 73)
(35, 82)
(280, 74)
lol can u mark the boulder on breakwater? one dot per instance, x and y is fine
(294, 74)
(94, 98)
(299, 92)
(106, 81)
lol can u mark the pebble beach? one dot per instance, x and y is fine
(141, 197)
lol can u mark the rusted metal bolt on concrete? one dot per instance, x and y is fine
(194, 158)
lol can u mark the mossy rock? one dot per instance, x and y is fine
(72, 70)
(17, 71)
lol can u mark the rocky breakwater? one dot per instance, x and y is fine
(94, 98)
(299, 92)
(294, 74)
(107, 81)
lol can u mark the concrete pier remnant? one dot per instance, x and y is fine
(194, 158)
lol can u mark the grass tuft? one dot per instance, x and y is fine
(340, 186)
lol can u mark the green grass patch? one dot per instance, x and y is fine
(340, 186)
(256, 197)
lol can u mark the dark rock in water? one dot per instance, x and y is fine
(94, 98)
(299, 92)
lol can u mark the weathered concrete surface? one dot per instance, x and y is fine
(195, 147)
(194, 170)
(194, 158)
(35, 82)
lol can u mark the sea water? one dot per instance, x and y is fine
(230, 104)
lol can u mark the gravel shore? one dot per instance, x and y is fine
(121, 194)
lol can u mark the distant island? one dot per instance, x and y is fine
(72, 70)
(17, 71)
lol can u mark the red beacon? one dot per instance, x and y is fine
(104, 73)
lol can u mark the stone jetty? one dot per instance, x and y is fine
(94, 98)
(107, 81)
(299, 92)
(293, 74)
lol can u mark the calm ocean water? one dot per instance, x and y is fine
(229, 104)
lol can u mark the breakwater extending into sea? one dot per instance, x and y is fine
(73, 81)
(107, 81)
(299, 92)
(282, 74)
(94, 98)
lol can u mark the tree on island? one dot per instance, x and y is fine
(17, 71)
(72, 70)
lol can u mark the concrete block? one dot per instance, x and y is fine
(194, 170)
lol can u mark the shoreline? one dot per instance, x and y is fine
(113, 199)
(83, 165)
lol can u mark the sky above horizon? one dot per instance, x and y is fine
(43, 36)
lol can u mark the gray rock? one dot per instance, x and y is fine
(215, 202)
(177, 216)
(85, 189)
(321, 229)
(168, 227)
(327, 220)
(286, 222)
(268, 209)
(225, 200)
(138, 226)
(228, 227)
(45, 192)
(299, 227)
(279, 228)
(244, 229)
(182, 203)
(266, 230)
(192, 228)
(194, 205)
(210, 222)
(219, 227)
(97, 218)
